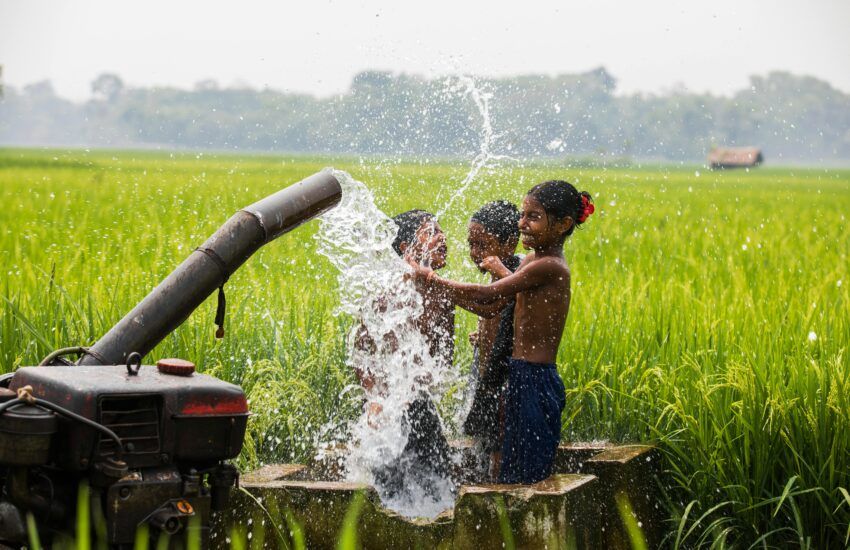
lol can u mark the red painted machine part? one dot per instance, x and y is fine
(208, 407)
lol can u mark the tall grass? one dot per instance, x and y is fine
(709, 314)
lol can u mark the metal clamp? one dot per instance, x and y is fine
(134, 359)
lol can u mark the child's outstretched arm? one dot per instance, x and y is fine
(532, 275)
(487, 311)
(494, 266)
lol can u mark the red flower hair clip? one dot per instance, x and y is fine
(587, 209)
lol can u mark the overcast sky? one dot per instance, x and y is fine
(316, 46)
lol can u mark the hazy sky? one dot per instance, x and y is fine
(316, 46)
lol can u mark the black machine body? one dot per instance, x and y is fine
(176, 432)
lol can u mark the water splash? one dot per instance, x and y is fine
(466, 85)
(385, 347)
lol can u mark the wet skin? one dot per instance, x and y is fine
(484, 245)
(541, 286)
(489, 254)
(429, 249)
(437, 320)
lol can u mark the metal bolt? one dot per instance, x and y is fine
(164, 458)
(124, 492)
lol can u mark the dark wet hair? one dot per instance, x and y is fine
(560, 200)
(408, 223)
(500, 219)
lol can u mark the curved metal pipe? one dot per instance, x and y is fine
(208, 268)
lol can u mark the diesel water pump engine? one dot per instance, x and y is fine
(151, 442)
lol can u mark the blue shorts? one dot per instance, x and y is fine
(534, 402)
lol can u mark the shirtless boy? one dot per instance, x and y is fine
(426, 456)
(493, 235)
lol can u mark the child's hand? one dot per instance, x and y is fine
(473, 338)
(494, 266)
(419, 273)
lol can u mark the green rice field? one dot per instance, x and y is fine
(710, 313)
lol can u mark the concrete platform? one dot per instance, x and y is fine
(573, 508)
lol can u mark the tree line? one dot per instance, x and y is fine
(792, 118)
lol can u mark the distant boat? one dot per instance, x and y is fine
(734, 157)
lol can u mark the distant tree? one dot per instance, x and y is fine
(206, 85)
(369, 81)
(790, 117)
(107, 87)
(42, 89)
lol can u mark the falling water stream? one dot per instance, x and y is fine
(386, 345)
(466, 85)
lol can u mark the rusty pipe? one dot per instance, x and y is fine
(209, 266)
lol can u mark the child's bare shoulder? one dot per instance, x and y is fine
(549, 266)
(546, 262)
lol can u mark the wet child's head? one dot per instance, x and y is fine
(551, 211)
(420, 238)
(493, 231)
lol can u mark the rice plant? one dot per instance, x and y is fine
(709, 314)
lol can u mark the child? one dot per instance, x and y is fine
(535, 396)
(421, 240)
(493, 236)
(426, 455)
